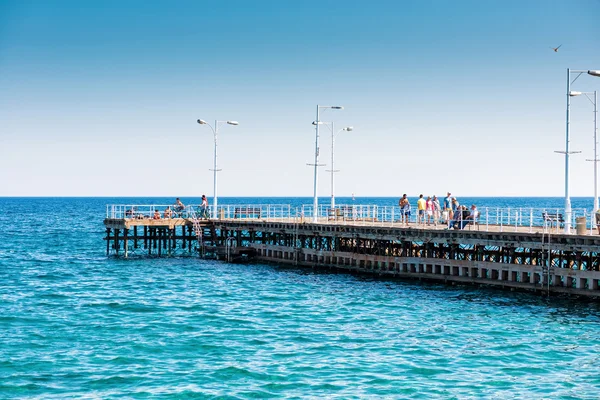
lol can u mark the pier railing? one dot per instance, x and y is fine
(503, 219)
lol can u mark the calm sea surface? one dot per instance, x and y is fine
(74, 323)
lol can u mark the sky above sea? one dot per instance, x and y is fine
(101, 98)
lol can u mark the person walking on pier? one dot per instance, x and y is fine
(436, 210)
(204, 207)
(404, 209)
(168, 213)
(421, 206)
(156, 214)
(429, 209)
(448, 208)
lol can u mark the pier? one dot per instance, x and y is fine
(521, 250)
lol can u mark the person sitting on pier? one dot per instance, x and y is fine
(130, 213)
(156, 214)
(168, 213)
(457, 218)
(455, 205)
(471, 217)
(179, 206)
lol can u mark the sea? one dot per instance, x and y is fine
(75, 323)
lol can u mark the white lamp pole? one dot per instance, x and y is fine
(333, 170)
(568, 210)
(215, 131)
(595, 151)
(595, 159)
(316, 164)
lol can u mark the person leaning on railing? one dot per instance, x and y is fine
(598, 220)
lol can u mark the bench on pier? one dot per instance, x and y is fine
(553, 218)
(335, 213)
(246, 212)
(343, 213)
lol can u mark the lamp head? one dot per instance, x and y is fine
(202, 122)
(317, 123)
(594, 72)
(573, 93)
(233, 122)
(337, 107)
(349, 128)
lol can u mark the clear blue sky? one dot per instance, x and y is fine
(101, 97)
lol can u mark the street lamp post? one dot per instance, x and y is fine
(568, 210)
(316, 164)
(333, 170)
(215, 131)
(595, 159)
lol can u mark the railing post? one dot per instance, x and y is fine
(487, 219)
(530, 220)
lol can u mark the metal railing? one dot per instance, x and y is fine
(502, 219)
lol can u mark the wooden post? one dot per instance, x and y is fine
(188, 238)
(117, 242)
(126, 242)
(107, 241)
(170, 239)
(158, 235)
(145, 237)
(135, 237)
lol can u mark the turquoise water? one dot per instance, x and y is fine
(74, 323)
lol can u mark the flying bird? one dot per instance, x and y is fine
(556, 48)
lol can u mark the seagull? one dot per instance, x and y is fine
(556, 48)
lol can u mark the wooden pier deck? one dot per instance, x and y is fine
(522, 257)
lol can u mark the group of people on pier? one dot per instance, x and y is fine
(176, 211)
(430, 211)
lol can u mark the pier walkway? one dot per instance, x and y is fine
(521, 249)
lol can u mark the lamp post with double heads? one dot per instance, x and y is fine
(333, 170)
(316, 164)
(215, 131)
(595, 159)
(568, 210)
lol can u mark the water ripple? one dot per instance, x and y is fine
(76, 324)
